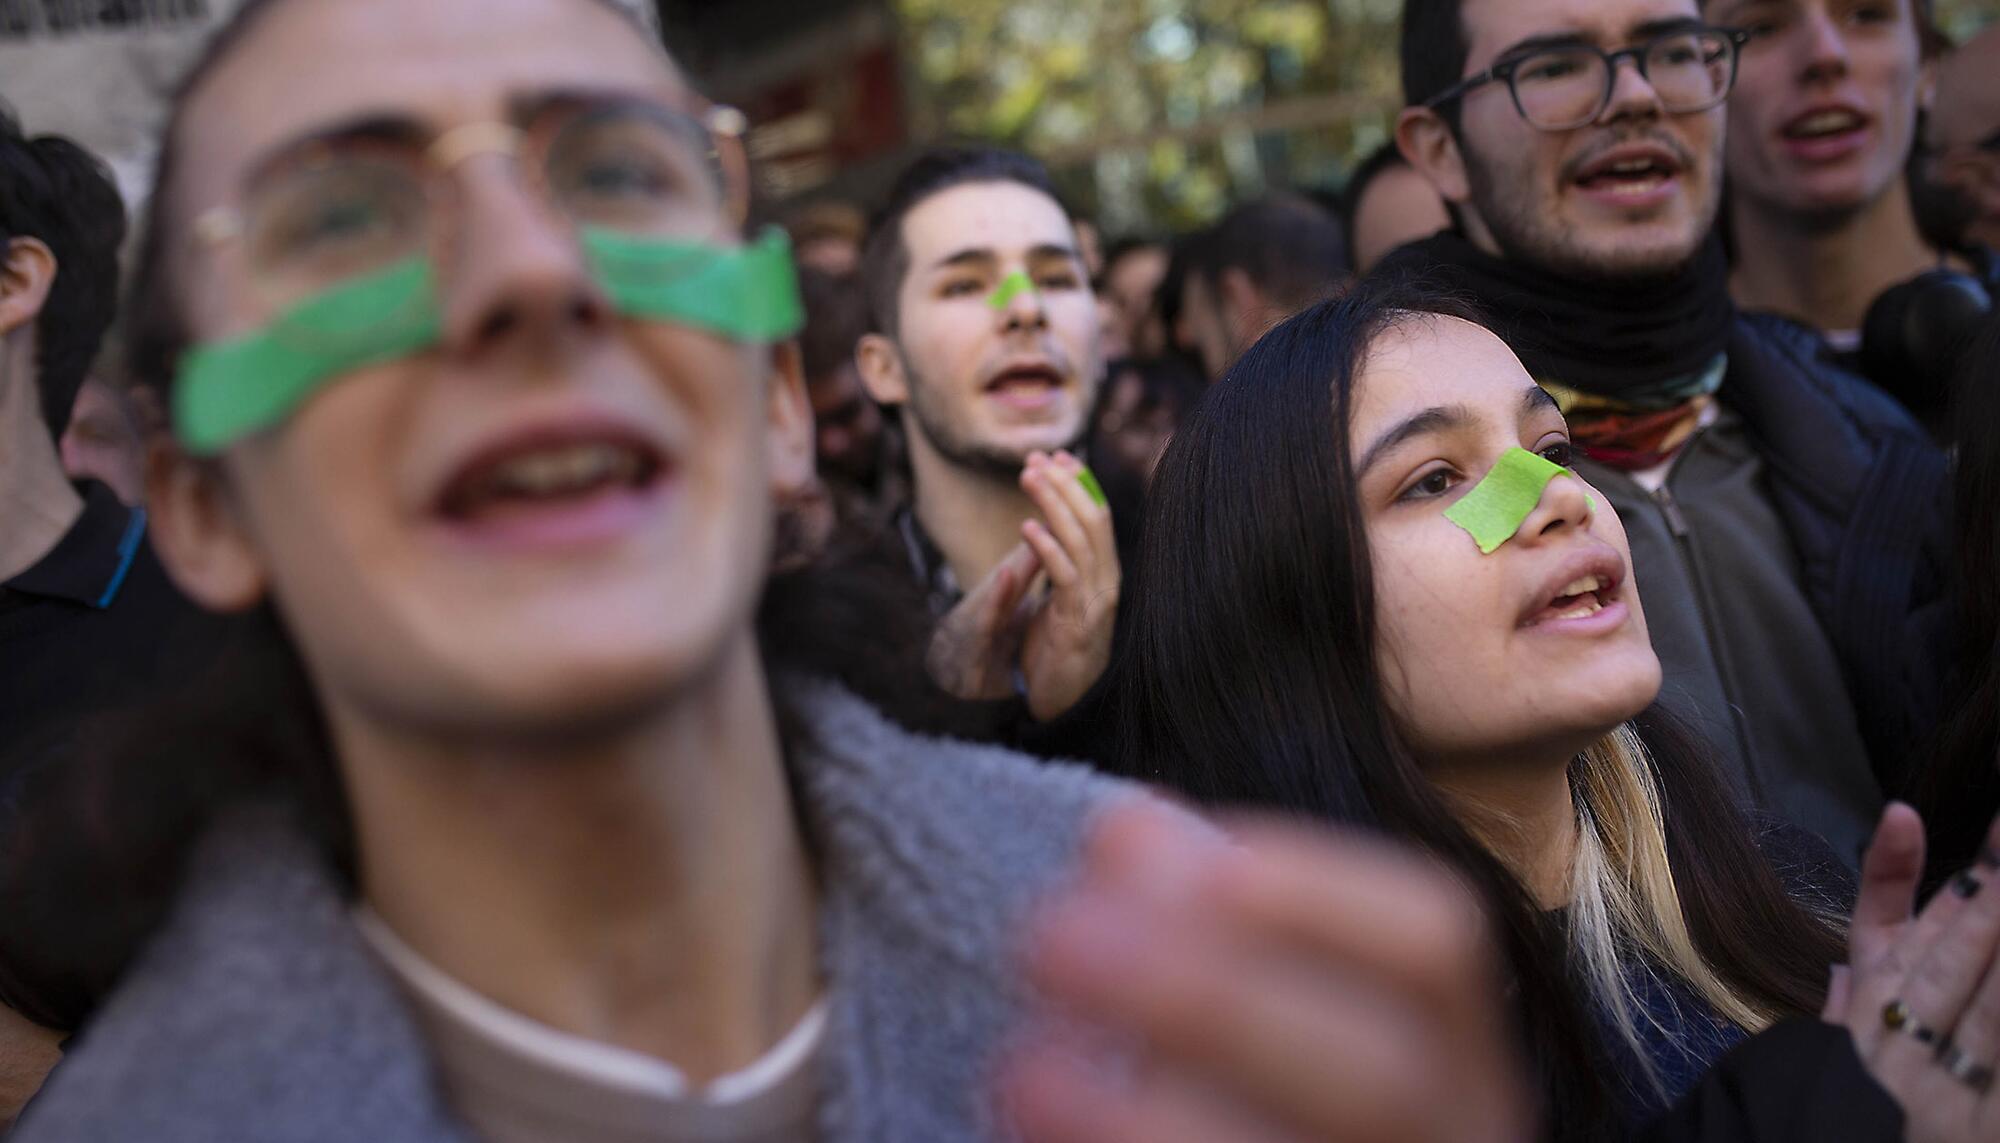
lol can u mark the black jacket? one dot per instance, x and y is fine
(1864, 494)
(1797, 1082)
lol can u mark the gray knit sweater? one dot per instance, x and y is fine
(256, 1012)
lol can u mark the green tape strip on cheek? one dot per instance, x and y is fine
(1010, 287)
(749, 293)
(229, 389)
(1493, 511)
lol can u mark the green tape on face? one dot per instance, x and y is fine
(1088, 479)
(748, 294)
(1492, 512)
(1012, 286)
(228, 390)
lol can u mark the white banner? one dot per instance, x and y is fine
(99, 71)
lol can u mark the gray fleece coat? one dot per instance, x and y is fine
(257, 1013)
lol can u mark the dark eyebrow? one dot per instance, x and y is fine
(525, 108)
(403, 130)
(380, 127)
(1438, 419)
(971, 256)
(981, 256)
(1536, 400)
(1651, 29)
(1537, 43)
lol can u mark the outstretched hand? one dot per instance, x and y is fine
(1294, 985)
(1921, 992)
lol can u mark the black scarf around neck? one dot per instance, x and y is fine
(1608, 339)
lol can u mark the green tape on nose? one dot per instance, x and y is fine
(1493, 511)
(230, 389)
(1012, 286)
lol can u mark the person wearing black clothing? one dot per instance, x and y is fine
(92, 626)
(987, 344)
(1787, 519)
(88, 620)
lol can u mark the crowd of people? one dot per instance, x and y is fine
(498, 640)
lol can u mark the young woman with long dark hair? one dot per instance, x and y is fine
(1315, 633)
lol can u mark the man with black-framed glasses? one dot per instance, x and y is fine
(1785, 520)
(1965, 134)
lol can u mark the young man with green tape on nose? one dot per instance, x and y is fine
(988, 343)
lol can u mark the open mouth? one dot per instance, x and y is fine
(1634, 174)
(1025, 384)
(555, 475)
(1581, 598)
(1816, 126)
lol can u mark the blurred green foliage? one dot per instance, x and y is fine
(1961, 18)
(1156, 114)
(1153, 111)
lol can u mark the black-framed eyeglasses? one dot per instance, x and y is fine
(1562, 88)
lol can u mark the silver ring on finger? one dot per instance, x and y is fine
(1897, 1017)
(1962, 1067)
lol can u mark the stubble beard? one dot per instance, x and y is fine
(955, 445)
(1528, 235)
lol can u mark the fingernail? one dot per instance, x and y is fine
(1965, 884)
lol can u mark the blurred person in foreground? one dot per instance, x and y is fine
(1386, 204)
(1264, 261)
(508, 819)
(987, 346)
(1823, 125)
(1786, 518)
(529, 811)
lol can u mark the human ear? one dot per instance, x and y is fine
(1430, 145)
(789, 421)
(881, 369)
(197, 533)
(26, 275)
